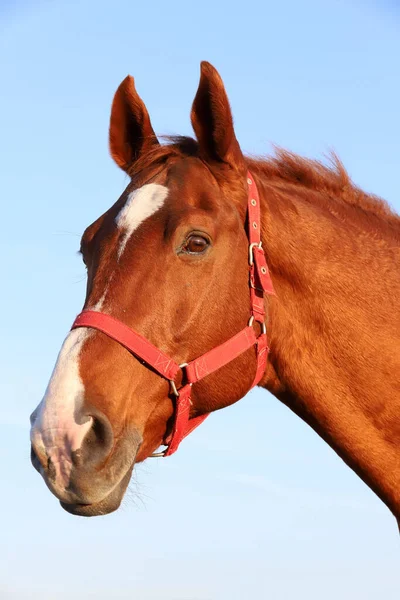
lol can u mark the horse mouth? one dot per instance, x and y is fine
(105, 506)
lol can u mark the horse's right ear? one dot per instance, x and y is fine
(131, 132)
(212, 121)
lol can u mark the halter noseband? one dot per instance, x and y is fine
(260, 283)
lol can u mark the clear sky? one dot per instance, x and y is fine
(254, 505)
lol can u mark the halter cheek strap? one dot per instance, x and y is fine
(260, 283)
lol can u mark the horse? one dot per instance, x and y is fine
(193, 297)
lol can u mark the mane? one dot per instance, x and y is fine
(175, 147)
(331, 179)
(331, 183)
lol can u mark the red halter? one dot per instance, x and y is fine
(260, 283)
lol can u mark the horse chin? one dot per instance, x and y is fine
(105, 506)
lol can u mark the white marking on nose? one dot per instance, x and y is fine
(55, 432)
(140, 205)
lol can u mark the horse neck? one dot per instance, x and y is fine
(332, 330)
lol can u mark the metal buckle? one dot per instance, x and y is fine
(251, 255)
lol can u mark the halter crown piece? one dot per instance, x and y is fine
(260, 283)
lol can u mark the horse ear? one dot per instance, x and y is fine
(212, 120)
(131, 132)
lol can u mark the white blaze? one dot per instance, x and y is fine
(55, 430)
(140, 205)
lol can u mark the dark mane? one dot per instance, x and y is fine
(287, 170)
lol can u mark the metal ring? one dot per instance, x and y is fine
(262, 323)
(172, 382)
(173, 388)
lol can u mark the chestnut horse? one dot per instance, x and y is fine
(170, 260)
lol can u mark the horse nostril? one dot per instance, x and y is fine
(102, 430)
(97, 443)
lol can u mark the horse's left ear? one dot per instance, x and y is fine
(212, 120)
(131, 132)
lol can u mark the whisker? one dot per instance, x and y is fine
(82, 278)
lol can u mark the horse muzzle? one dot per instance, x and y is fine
(89, 480)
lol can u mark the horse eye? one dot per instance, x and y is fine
(195, 244)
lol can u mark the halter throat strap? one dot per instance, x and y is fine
(195, 370)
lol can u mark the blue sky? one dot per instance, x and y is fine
(254, 505)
